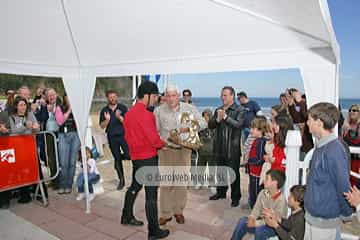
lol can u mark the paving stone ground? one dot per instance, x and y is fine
(65, 218)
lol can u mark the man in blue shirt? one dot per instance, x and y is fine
(111, 119)
(252, 109)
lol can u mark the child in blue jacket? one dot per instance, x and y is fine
(328, 178)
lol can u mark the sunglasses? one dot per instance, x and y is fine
(353, 110)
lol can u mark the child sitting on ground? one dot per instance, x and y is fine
(269, 198)
(292, 228)
(93, 177)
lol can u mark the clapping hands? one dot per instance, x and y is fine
(270, 218)
(107, 116)
(118, 115)
(3, 129)
(221, 114)
(353, 196)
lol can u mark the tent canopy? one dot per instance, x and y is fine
(79, 40)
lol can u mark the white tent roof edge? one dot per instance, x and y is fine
(318, 68)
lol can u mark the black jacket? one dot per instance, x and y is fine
(228, 133)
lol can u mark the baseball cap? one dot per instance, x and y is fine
(147, 87)
(242, 94)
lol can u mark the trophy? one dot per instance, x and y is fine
(189, 140)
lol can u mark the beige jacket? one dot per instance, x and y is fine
(264, 200)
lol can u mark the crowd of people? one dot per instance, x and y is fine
(235, 135)
(45, 112)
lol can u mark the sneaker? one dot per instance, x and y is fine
(67, 190)
(61, 191)
(91, 197)
(80, 196)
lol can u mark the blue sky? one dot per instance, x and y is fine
(346, 22)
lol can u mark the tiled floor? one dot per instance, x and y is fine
(65, 218)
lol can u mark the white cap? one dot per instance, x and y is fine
(171, 88)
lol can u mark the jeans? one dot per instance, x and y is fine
(69, 145)
(261, 233)
(92, 179)
(151, 208)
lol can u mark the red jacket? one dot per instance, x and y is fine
(280, 158)
(256, 156)
(140, 133)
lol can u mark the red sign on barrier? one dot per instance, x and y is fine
(18, 161)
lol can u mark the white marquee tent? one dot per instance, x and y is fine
(79, 40)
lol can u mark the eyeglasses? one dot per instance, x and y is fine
(353, 110)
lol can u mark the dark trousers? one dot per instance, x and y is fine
(151, 208)
(5, 198)
(51, 157)
(234, 164)
(254, 189)
(115, 142)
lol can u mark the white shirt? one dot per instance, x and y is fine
(92, 166)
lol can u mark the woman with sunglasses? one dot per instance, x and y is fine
(351, 135)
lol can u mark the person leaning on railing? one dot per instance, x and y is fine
(69, 145)
(4, 130)
(22, 121)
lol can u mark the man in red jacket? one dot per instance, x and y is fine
(143, 141)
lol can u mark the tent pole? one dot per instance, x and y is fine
(85, 172)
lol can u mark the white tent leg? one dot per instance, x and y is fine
(86, 182)
(316, 83)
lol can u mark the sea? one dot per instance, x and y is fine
(265, 103)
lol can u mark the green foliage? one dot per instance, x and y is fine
(14, 82)
(122, 85)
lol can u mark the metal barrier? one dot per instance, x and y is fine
(24, 143)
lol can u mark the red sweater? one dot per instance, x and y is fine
(279, 162)
(140, 133)
(255, 170)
